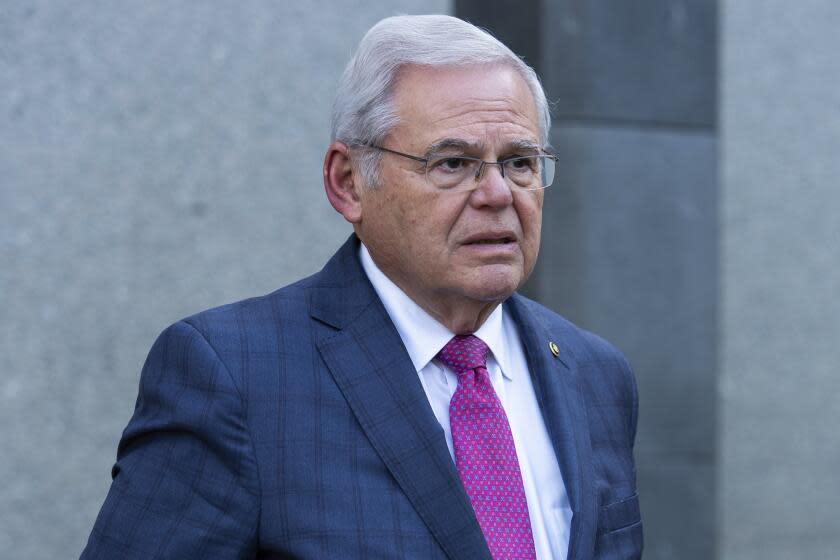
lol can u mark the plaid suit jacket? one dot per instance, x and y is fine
(294, 426)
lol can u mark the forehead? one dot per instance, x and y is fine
(482, 104)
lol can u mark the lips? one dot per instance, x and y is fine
(492, 241)
(491, 238)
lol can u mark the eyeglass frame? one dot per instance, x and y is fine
(479, 172)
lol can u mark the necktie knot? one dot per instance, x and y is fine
(464, 353)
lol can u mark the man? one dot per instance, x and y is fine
(404, 402)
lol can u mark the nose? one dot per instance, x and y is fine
(492, 188)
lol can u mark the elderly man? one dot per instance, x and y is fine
(404, 402)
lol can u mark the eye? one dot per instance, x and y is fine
(451, 163)
(448, 171)
(521, 164)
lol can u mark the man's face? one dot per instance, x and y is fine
(445, 248)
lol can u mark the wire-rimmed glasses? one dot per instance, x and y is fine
(458, 173)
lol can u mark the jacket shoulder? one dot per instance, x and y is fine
(252, 314)
(242, 331)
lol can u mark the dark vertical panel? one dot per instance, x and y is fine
(648, 61)
(513, 22)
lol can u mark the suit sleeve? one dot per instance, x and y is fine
(633, 391)
(185, 483)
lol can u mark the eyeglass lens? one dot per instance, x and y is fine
(460, 172)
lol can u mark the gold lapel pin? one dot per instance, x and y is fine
(554, 349)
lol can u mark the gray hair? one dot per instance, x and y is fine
(364, 113)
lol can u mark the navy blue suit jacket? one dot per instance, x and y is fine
(294, 426)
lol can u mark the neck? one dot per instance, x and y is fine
(461, 317)
(458, 313)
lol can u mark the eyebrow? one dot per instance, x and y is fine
(464, 146)
(525, 145)
(452, 144)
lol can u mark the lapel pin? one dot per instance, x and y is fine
(554, 349)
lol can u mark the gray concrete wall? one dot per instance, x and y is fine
(156, 158)
(780, 263)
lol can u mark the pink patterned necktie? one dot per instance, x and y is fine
(485, 454)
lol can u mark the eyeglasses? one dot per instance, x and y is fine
(453, 173)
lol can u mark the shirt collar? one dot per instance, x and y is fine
(422, 335)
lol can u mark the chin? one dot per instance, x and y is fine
(495, 287)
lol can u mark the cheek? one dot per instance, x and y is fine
(530, 215)
(426, 223)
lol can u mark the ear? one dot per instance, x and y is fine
(342, 183)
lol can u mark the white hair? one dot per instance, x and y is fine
(364, 113)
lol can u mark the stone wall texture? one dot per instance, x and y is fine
(156, 158)
(780, 277)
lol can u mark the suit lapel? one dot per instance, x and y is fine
(558, 387)
(371, 367)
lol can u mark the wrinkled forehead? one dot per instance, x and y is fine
(478, 103)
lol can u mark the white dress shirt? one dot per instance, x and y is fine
(423, 337)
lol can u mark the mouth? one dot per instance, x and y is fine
(491, 239)
(501, 241)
